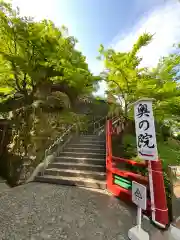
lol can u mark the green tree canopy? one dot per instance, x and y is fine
(128, 82)
(41, 75)
(33, 54)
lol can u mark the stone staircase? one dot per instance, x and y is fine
(82, 163)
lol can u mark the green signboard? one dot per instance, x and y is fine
(122, 182)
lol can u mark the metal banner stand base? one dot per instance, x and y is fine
(137, 233)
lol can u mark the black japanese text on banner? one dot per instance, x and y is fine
(145, 130)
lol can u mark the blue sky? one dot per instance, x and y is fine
(115, 23)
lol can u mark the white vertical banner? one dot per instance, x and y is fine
(145, 130)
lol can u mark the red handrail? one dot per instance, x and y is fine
(110, 158)
(109, 175)
(128, 161)
(118, 191)
(156, 206)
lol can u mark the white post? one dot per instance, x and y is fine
(140, 199)
(139, 218)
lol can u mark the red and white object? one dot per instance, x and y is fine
(147, 150)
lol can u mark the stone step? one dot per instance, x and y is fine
(75, 173)
(82, 141)
(83, 154)
(73, 181)
(77, 166)
(100, 140)
(87, 145)
(84, 150)
(91, 141)
(88, 139)
(90, 136)
(81, 160)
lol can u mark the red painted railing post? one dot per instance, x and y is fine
(109, 154)
(158, 194)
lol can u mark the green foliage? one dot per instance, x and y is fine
(178, 137)
(127, 81)
(41, 76)
(122, 73)
(32, 53)
(129, 146)
(169, 153)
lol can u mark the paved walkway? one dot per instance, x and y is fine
(39, 211)
(3, 185)
(44, 211)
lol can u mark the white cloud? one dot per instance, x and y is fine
(55, 10)
(164, 22)
(36, 8)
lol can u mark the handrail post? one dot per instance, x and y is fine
(109, 138)
(109, 154)
(158, 195)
